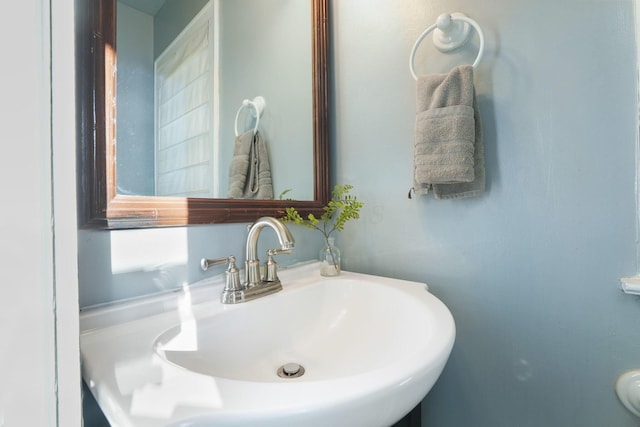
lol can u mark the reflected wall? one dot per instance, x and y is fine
(262, 48)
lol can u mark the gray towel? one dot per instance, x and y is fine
(448, 150)
(250, 172)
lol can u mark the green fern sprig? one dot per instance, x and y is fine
(342, 208)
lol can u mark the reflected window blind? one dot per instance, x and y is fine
(184, 114)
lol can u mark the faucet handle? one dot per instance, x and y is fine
(271, 267)
(232, 273)
(233, 276)
(234, 290)
(206, 264)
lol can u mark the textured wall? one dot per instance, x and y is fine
(265, 50)
(530, 270)
(171, 19)
(115, 265)
(135, 86)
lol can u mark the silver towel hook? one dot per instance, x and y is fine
(451, 32)
(258, 103)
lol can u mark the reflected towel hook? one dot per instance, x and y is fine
(258, 103)
(451, 32)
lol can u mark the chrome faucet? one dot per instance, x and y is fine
(252, 263)
(254, 286)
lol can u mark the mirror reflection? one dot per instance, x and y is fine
(190, 75)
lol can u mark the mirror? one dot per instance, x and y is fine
(293, 123)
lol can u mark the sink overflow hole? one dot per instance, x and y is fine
(290, 370)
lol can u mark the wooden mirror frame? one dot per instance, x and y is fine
(99, 204)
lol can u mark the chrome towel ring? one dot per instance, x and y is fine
(451, 32)
(258, 103)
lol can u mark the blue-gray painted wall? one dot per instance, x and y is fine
(265, 50)
(171, 19)
(135, 130)
(140, 39)
(531, 269)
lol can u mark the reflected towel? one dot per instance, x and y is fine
(250, 171)
(448, 149)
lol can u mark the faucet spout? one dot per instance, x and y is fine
(284, 236)
(252, 262)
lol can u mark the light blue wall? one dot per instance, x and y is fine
(115, 265)
(135, 94)
(138, 34)
(265, 49)
(171, 19)
(530, 270)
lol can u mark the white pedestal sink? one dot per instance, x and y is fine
(371, 348)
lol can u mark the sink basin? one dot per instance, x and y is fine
(369, 348)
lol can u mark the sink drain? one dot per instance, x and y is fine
(290, 370)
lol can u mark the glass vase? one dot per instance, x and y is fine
(329, 259)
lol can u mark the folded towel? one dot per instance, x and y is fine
(250, 172)
(259, 183)
(239, 168)
(448, 150)
(477, 186)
